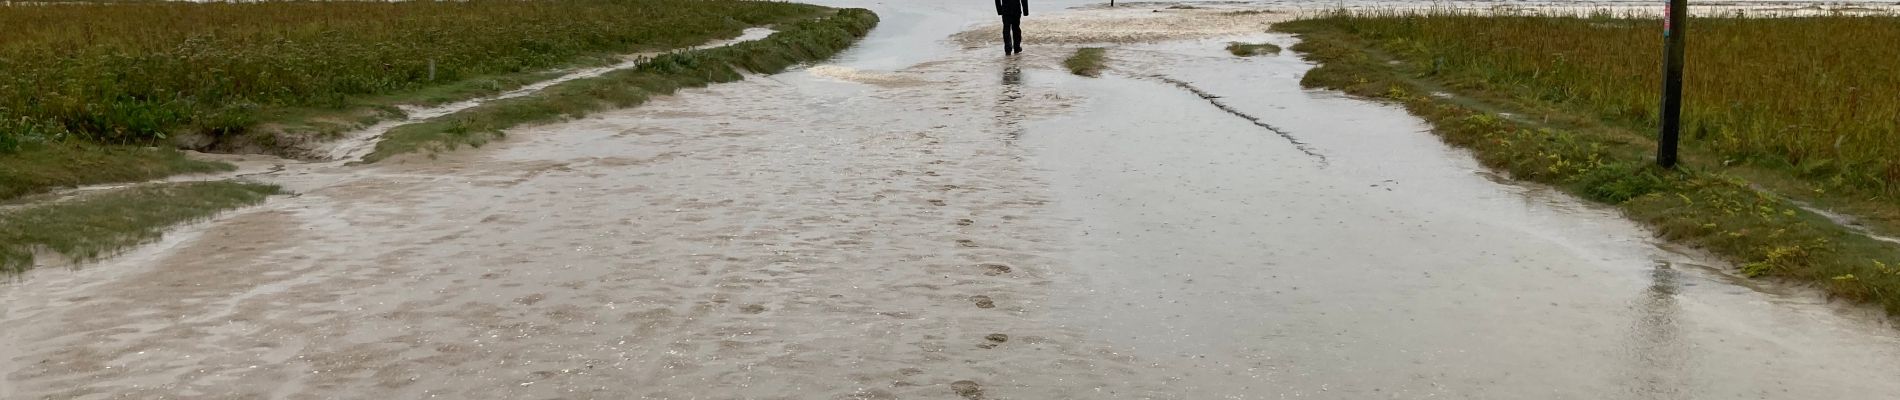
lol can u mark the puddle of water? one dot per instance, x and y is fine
(1396, 270)
(1851, 223)
(867, 77)
(1127, 25)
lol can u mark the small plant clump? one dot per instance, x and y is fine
(1087, 61)
(1252, 49)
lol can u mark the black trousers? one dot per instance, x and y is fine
(1012, 31)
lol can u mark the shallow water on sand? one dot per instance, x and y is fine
(918, 219)
(1394, 267)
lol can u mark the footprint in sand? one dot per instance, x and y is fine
(529, 300)
(938, 203)
(995, 269)
(993, 340)
(983, 301)
(965, 222)
(966, 242)
(752, 309)
(967, 389)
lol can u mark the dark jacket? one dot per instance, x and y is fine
(1012, 7)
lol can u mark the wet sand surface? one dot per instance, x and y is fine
(919, 219)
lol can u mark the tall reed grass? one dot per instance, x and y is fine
(134, 73)
(1819, 96)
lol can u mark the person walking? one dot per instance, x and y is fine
(1013, 12)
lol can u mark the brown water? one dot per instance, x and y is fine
(1397, 267)
(923, 220)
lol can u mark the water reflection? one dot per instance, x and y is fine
(1656, 347)
(1007, 114)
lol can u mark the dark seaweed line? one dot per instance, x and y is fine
(1215, 100)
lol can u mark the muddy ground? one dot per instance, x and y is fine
(925, 218)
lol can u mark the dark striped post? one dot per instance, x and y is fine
(1672, 83)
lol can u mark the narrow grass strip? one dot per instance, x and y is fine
(1087, 61)
(1763, 234)
(803, 41)
(37, 168)
(101, 224)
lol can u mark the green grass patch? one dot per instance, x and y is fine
(1252, 49)
(100, 224)
(803, 41)
(1086, 61)
(85, 86)
(142, 72)
(1795, 95)
(1572, 146)
(40, 167)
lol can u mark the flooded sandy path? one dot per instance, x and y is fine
(828, 241)
(1394, 267)
(922, 220)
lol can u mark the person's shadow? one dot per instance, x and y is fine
(1007, 116)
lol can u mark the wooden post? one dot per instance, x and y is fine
(1673, 32)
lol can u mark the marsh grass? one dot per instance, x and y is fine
(1603, 158)
(139, 72)
(803, 41)
(97, 225)
(1087, 61)
(1813, 96)
(84, 85)
(1252, 49)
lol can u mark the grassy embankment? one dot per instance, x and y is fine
(1774, 109)
(99, 93)
(1086, 61)
(803, 41)
(97, 81)
(99, 224)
